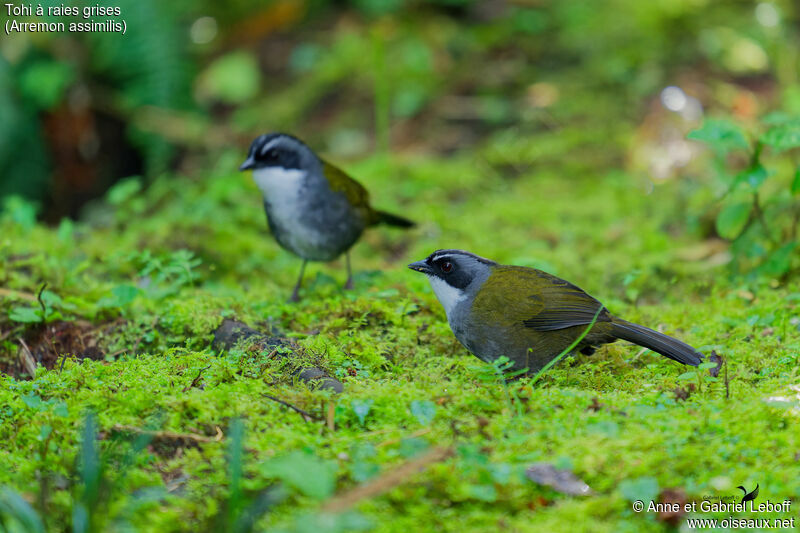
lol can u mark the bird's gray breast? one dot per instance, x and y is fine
(305, 216)
(474, 335)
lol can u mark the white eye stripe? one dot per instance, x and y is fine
(267, 147)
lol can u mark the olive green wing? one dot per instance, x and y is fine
(339, 181)
(539, 300)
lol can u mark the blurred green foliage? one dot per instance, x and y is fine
(760, 208)
(190, 78)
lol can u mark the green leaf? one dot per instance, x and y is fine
(124, 294)
(25, 314)
(796, 182)
(777, 118)
(721, 134)
(234, 78)
(45, 82)
(753, 176)
(304, 472)
(66, 230)
(643, 488)
(361, 408)
(423, 411)
(412, 446)
(51, 299)
(780, 261)
(20, 210)
(124, 190)
(783, 137)
(707, 365)
(687, 375)
(485, 493)
(14, 507)
(732, 219)
(32, 400)
(44, 432)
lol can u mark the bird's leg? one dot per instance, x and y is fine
(348, 285)
(295, 296)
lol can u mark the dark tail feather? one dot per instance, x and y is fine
(658, 342)
(382, 217)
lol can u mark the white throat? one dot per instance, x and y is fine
(448, 295)
(279, 185)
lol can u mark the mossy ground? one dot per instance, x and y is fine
(152, 311)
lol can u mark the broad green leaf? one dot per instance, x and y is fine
(25, 314)
(412, 446)
(44, 432)
(732, 219)
(796, 182)
(51, 299)
(32, 400)
(45, 82)
(721, 134)
(780, 261)
(361, 408)
(753, 176)
(124, 294)
(124, 190)
(20, 210)
(17, 511)
(423, 411)
(687, 375)
(783, 137)
(485, 493)
(233, 78)
(304, 472)
(643, 488)
(777, 118)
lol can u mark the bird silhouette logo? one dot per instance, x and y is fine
(748, 496)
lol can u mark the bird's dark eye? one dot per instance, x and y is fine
(272, 154)
(447, 267)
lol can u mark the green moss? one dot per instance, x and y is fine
(149, 276)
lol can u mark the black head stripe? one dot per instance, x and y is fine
(463, 269)
(278, 150)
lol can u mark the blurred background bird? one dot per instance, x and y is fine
(314, 210)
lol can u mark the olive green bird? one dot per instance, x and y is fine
(314, 210)
(528, 315)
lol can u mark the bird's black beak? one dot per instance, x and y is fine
(248, 164)
(421, 266)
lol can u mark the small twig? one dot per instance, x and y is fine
(760, 217)
(27, 357)
(418, 433)
(387, 481)
(41, 302)
(4, 336)
(331, 418)
(196, 380)
(169, 435)
(727, 383)
(10, 293)
(305, 414)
